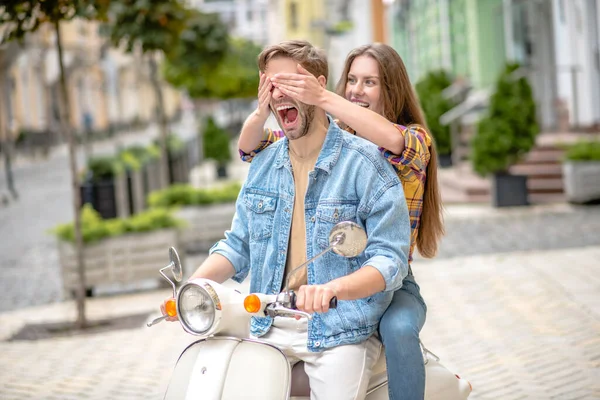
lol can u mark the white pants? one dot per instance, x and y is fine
(338, 373)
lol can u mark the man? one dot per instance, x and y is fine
(297, 189)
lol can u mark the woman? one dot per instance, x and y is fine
(375, 89)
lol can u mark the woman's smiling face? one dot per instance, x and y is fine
(363, 86)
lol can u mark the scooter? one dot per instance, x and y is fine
(227, 364)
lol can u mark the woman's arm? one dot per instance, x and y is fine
(366, 123)
(253, 129)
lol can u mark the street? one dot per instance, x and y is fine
(512, 299)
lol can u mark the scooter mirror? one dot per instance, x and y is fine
(176, 268)
(347, 239)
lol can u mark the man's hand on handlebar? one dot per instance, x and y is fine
(315, 298)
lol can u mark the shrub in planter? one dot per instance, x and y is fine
(216, 146)
(95, 228)
(186, 195)
(207, 212)
(429, 90)
(581, 172)
(505, 136)
(134, 160)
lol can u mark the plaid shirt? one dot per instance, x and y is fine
(411, 167)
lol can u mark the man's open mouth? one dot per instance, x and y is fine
(288, 114)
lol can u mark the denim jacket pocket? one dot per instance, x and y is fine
(330, 214)
(261, 215)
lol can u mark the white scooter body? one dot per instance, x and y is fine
(230, 369)
(235, 366)
(227, 364)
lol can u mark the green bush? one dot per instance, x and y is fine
(216, 142)
(429, 90)
(186, 195)
(94, 228)
(508, 132)
(584, 150)
(135, 157)
(104, 168)
(132, 158)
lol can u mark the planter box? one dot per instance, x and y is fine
(137, 191)
(582, 181)
(178, 167)
(205, 226)
(152, 176)
(121, 260)
(509, 190)
(444, 160)
(110, 198)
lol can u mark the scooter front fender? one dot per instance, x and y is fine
(230, 369)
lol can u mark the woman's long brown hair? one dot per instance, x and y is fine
(401, 105)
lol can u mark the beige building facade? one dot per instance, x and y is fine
(107, 87)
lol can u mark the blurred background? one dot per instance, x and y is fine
(118, 131)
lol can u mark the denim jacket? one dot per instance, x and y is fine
(350, 182)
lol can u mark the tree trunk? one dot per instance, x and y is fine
(162, 122)
(6, 136)
(65, 120)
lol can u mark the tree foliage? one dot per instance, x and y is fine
(434, 106)
(203, 41)
(20, 17)
(150, 24)
(236, 76)
(510, 129)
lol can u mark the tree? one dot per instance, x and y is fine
(165, 27)
(8, 54)
(20, 18)
(509, 130)
(434, 106)
(235, 76)
(216, 145)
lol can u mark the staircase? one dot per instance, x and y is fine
(542, 166)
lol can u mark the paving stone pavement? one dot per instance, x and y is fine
(472, 229)
(522, 325)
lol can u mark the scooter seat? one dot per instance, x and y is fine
(301, 386)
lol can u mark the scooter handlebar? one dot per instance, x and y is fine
(332, 303)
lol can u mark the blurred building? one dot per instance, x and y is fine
(337, 26)
(245, 18)
(556, 41)
(108, 89)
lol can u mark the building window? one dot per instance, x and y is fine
(294, 15)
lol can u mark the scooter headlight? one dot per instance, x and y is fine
(196, 308)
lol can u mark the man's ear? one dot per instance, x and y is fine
(322, 81)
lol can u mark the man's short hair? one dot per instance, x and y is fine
(311, 58)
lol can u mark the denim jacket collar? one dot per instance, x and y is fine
(330, 151)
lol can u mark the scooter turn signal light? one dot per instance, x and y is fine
(252, 303)
(171, 308)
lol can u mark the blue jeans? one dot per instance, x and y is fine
(399, 330)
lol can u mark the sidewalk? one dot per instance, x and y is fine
(521, 325)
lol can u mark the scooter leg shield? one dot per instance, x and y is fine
(229, 368)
